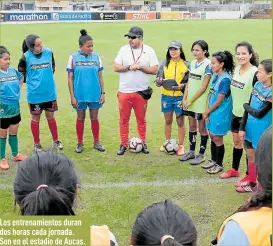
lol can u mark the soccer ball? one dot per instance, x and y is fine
(135, 145)
(171, 146)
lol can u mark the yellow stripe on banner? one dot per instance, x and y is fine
(171, 15)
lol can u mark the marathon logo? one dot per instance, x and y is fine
(85, 64)
(28, 16)
(8, 79)
(195, 76)
(257, 94)
(39, 66)
(237, 84)
(212, 91)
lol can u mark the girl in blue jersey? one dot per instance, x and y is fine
(86, 88)
(257, 118)
(38, 65)
(218, 115)
(10, 84)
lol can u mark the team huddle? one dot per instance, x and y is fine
(216, 95)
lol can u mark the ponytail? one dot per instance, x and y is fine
(229, 64)
(227, 58)
(29, 42)
(163, 219)
(52, 187)
(171, 242)
(254, 60)
(24, 47)
(207, 54)
(261, 198)
(46, 201)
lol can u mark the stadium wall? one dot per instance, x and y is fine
(215, 15)
(55, 17)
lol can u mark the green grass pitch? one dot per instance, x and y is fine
(116, 188)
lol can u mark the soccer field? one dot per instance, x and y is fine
(115, 188)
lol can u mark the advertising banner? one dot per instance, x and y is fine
(141, 16)
(195, 16)
(186, 16)
(71, 16)
(28, 17)
(108, 16)
(171, 15)
(2, 17)
(203, 16)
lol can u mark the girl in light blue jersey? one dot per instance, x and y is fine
(218, 115)
(86, 88)
(257, 118)
(10, 84)
(38, 65)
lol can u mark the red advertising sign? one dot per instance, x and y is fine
(195, 16)
(186, 16)
(141, 16)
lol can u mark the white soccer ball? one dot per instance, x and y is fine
(135, 145)
(171, 146)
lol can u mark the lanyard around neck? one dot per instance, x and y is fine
(136, 60)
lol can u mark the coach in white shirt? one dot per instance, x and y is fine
(135, 63)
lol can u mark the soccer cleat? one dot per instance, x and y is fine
(58, 144)
(19, 157)
(121, 150)
(187, 156)
(244, 181)
(79, 148)
(4, 164)
(215, 169)
(98, 146)
(229, 174)
(208, 164)
(38, 147)
(198, 160)
(162, 149)
(180, 150)
(251, 187)
(145, 149)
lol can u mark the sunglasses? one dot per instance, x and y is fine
(132, 37)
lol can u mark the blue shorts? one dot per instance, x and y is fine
(90, 105)
(219, 125)
(171, 104)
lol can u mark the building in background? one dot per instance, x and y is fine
(52, 5)
(83, 5)
(134, 5)
(17, 5)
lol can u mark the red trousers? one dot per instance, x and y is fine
(127, 101)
